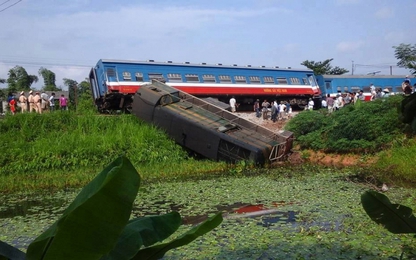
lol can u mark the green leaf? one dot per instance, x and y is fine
(158, 251)
(396, 218)
(9, 252)
(144, 231)
(91, 225)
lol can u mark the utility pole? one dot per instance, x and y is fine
(352, 68)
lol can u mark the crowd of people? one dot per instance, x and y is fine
(278, 111)
(37, 102)
(343, 99)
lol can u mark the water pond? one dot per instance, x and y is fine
(306, 216)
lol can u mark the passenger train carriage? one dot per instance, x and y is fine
(115, 82)
(333, 84)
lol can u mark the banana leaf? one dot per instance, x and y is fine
(158, 251)
(144, 231)
(90, 227)
(396, 218)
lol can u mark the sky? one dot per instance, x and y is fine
(69, 37)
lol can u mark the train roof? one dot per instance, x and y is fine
(203, 64)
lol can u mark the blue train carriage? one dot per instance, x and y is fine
(209, 130)
(114, 82)
(333, 84)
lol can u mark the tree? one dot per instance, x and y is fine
(406, 54)
(20, 80)
(2, 81)
(48, 79)
(73, 95)
(323, 67)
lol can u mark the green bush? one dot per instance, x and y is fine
(367, 127)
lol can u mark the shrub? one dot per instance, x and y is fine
(368, 127)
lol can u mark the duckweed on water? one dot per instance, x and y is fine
(318, 216)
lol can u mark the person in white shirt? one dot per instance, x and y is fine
(232, 104)
(52, 102)
(373, 91)
(44, 101)
(323, 103)
(282, 108)
(310, 104)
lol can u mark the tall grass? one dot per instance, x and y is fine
(372, 128)
(397, 164)
(44, 148)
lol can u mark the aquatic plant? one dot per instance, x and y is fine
(396, 218)
(96, 224)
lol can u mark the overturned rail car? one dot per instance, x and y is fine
(208, 129)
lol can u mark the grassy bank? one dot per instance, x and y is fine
(370, 129)
(64, 149)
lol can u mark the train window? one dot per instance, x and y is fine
(339, 89)
(191, 78)
(174, 77)
(224, 79)
(355, 89)
(111, 72)
(268, 80)
(156, 76)
(139, 76)
(281, 80)
(366, 89)
(328, 85)
(305, 81)
(240, 79)
(254, 79)
(126, 75)
(346, 89)
(294, 81)
(399, 89)
(208, 78)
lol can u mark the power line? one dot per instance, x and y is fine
(4, 2)
(34, 63)
(9, 5)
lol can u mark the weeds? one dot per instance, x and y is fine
(42, 147)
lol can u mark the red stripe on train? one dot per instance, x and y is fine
(217, 90)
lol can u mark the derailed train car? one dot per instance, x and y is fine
(208, 129)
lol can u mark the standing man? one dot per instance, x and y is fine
(52, 102)
(311, 104)
(232, 104)
(265, 109)
(330, 103)
(324, 104)
(23, 102)
(37, 101)
(31, 100)
(373, 91)
(361, 95)
(256, 107)
(63, 102)
(282, 108)
(44, 101)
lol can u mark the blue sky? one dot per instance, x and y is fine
(69, 37)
